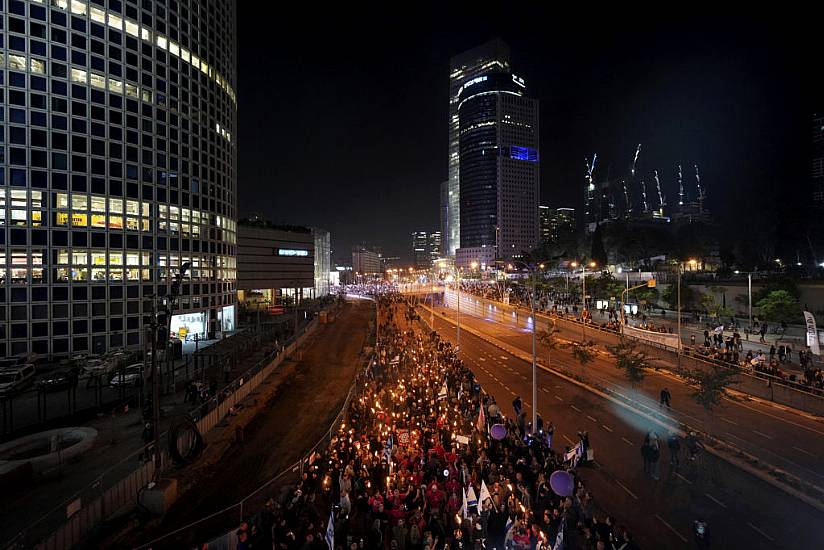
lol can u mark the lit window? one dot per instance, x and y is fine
(62, 274)
(19, 217)
(174, 212)
(115, 258)
(115, 222)
(162, 43)
(78, 7)
(78, 76)
(79, 220)
(98, 220)
(132, 224)
(195, 61)
(97, 15)
(17, 62)
(98, 274)
(115, 86)
(145, 208)
(131, 91)
(80, 202)
(115, 22)
(37, 66)
(185, 55)
(145, 226)
(36, 218)
(174, 49)
(62, 4)
(63, 257)
(80, 257)
(98, 204)
(132, 28)
(146, 95)
(62, 200)
(146, 34)
(116, 206)
(133, 274)
(98, 257)
(98, 81)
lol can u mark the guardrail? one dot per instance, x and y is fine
(71, 521)
(758, 384)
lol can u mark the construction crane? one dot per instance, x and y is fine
(680, 187)
(701, 195)
(661, 200)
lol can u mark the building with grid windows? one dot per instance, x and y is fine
(499, 169)
(117, 166)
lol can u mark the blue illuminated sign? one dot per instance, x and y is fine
(292, 252)
(523, 153)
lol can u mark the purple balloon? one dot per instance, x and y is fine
(498, 431)
(562, 483)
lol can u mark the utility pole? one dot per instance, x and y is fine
(155, 392)
(534, 358)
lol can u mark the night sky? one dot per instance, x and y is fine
(343, 123)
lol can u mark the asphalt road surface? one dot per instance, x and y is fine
(742, 511)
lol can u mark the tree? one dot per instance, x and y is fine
(688, 296)
(549, 339)
(711, 305)
(632, 362)
(779, 306)
(583, 352)
(711, 387)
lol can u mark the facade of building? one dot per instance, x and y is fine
(545, 222)
(490, 57)
(499, 174)
(435, 246)
(118, 167)
(444, 216)
(275, 263)
(818, 159)
(323, 261)
(365, 261)
(420, 250)
(561, 221)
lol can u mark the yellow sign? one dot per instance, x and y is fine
(651, 283)
(78, 220)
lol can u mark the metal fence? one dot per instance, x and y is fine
(120, 485)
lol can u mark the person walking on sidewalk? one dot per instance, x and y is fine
(665, 398)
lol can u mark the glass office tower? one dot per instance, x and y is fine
(117, 166)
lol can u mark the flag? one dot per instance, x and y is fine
(471, 499)
(464, 507)
(444, 391)
(330, 531)
(481, 424)
(812, 333)
(484, 493)
(509, 523)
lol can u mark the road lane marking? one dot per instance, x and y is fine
(544, 390)
(504, 357)
(627, 441)
(799, 449)
(607, 428)
(482, 358)
(576, 408)
(558, 398)
(757, 530)
(567, 439)
(682, 477)
(715, 500)
(671, 528)
(762, 434)
(592, 418)
(624, 487)
(728, 421)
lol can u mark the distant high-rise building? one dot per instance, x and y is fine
(365, 261)
(499, 174)
(818, 159)
(435, 245)
(561, 222)
(545, 221)
(490, 57)
(420, 249)
(444, 211)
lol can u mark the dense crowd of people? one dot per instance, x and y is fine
(426, 460)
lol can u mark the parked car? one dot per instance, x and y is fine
(98, 367)
(131, 376)
(58, 380)
(15, 379)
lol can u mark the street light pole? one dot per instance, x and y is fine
(749, 296)
(534, 360)
(584, 303)
(678, 351)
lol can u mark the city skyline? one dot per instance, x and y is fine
(691, 96)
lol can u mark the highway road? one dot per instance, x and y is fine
(742, 510)
(785, 438)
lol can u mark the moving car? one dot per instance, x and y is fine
(131, 376)
(15, 379)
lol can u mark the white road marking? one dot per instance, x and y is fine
(627, 441)
(482, 358)
(715, 500)
(544, 390)
(682, 477)
(576, 408)
(762, 434)
(567, 439)
(558, 398)
(591, 418)
(757, 530)
(671, 528)
(624, 487)
(504, 357)
(800, 450)
(607, 428)
(728, 421)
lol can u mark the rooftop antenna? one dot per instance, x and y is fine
(680, 187)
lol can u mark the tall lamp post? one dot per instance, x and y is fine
(583, 295)
(749, 296)
(532, 270)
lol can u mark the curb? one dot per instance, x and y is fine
(817, 503)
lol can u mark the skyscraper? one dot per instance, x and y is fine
(545, 221)
(493, 56)
(499, 169)
(444, 211)
(561, 222)
(435, 245)
(121, 168)
(420, 249)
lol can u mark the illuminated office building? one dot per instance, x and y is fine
(117, 166)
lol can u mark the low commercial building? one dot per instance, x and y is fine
(279, 264)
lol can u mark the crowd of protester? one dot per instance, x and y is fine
(415, 465)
